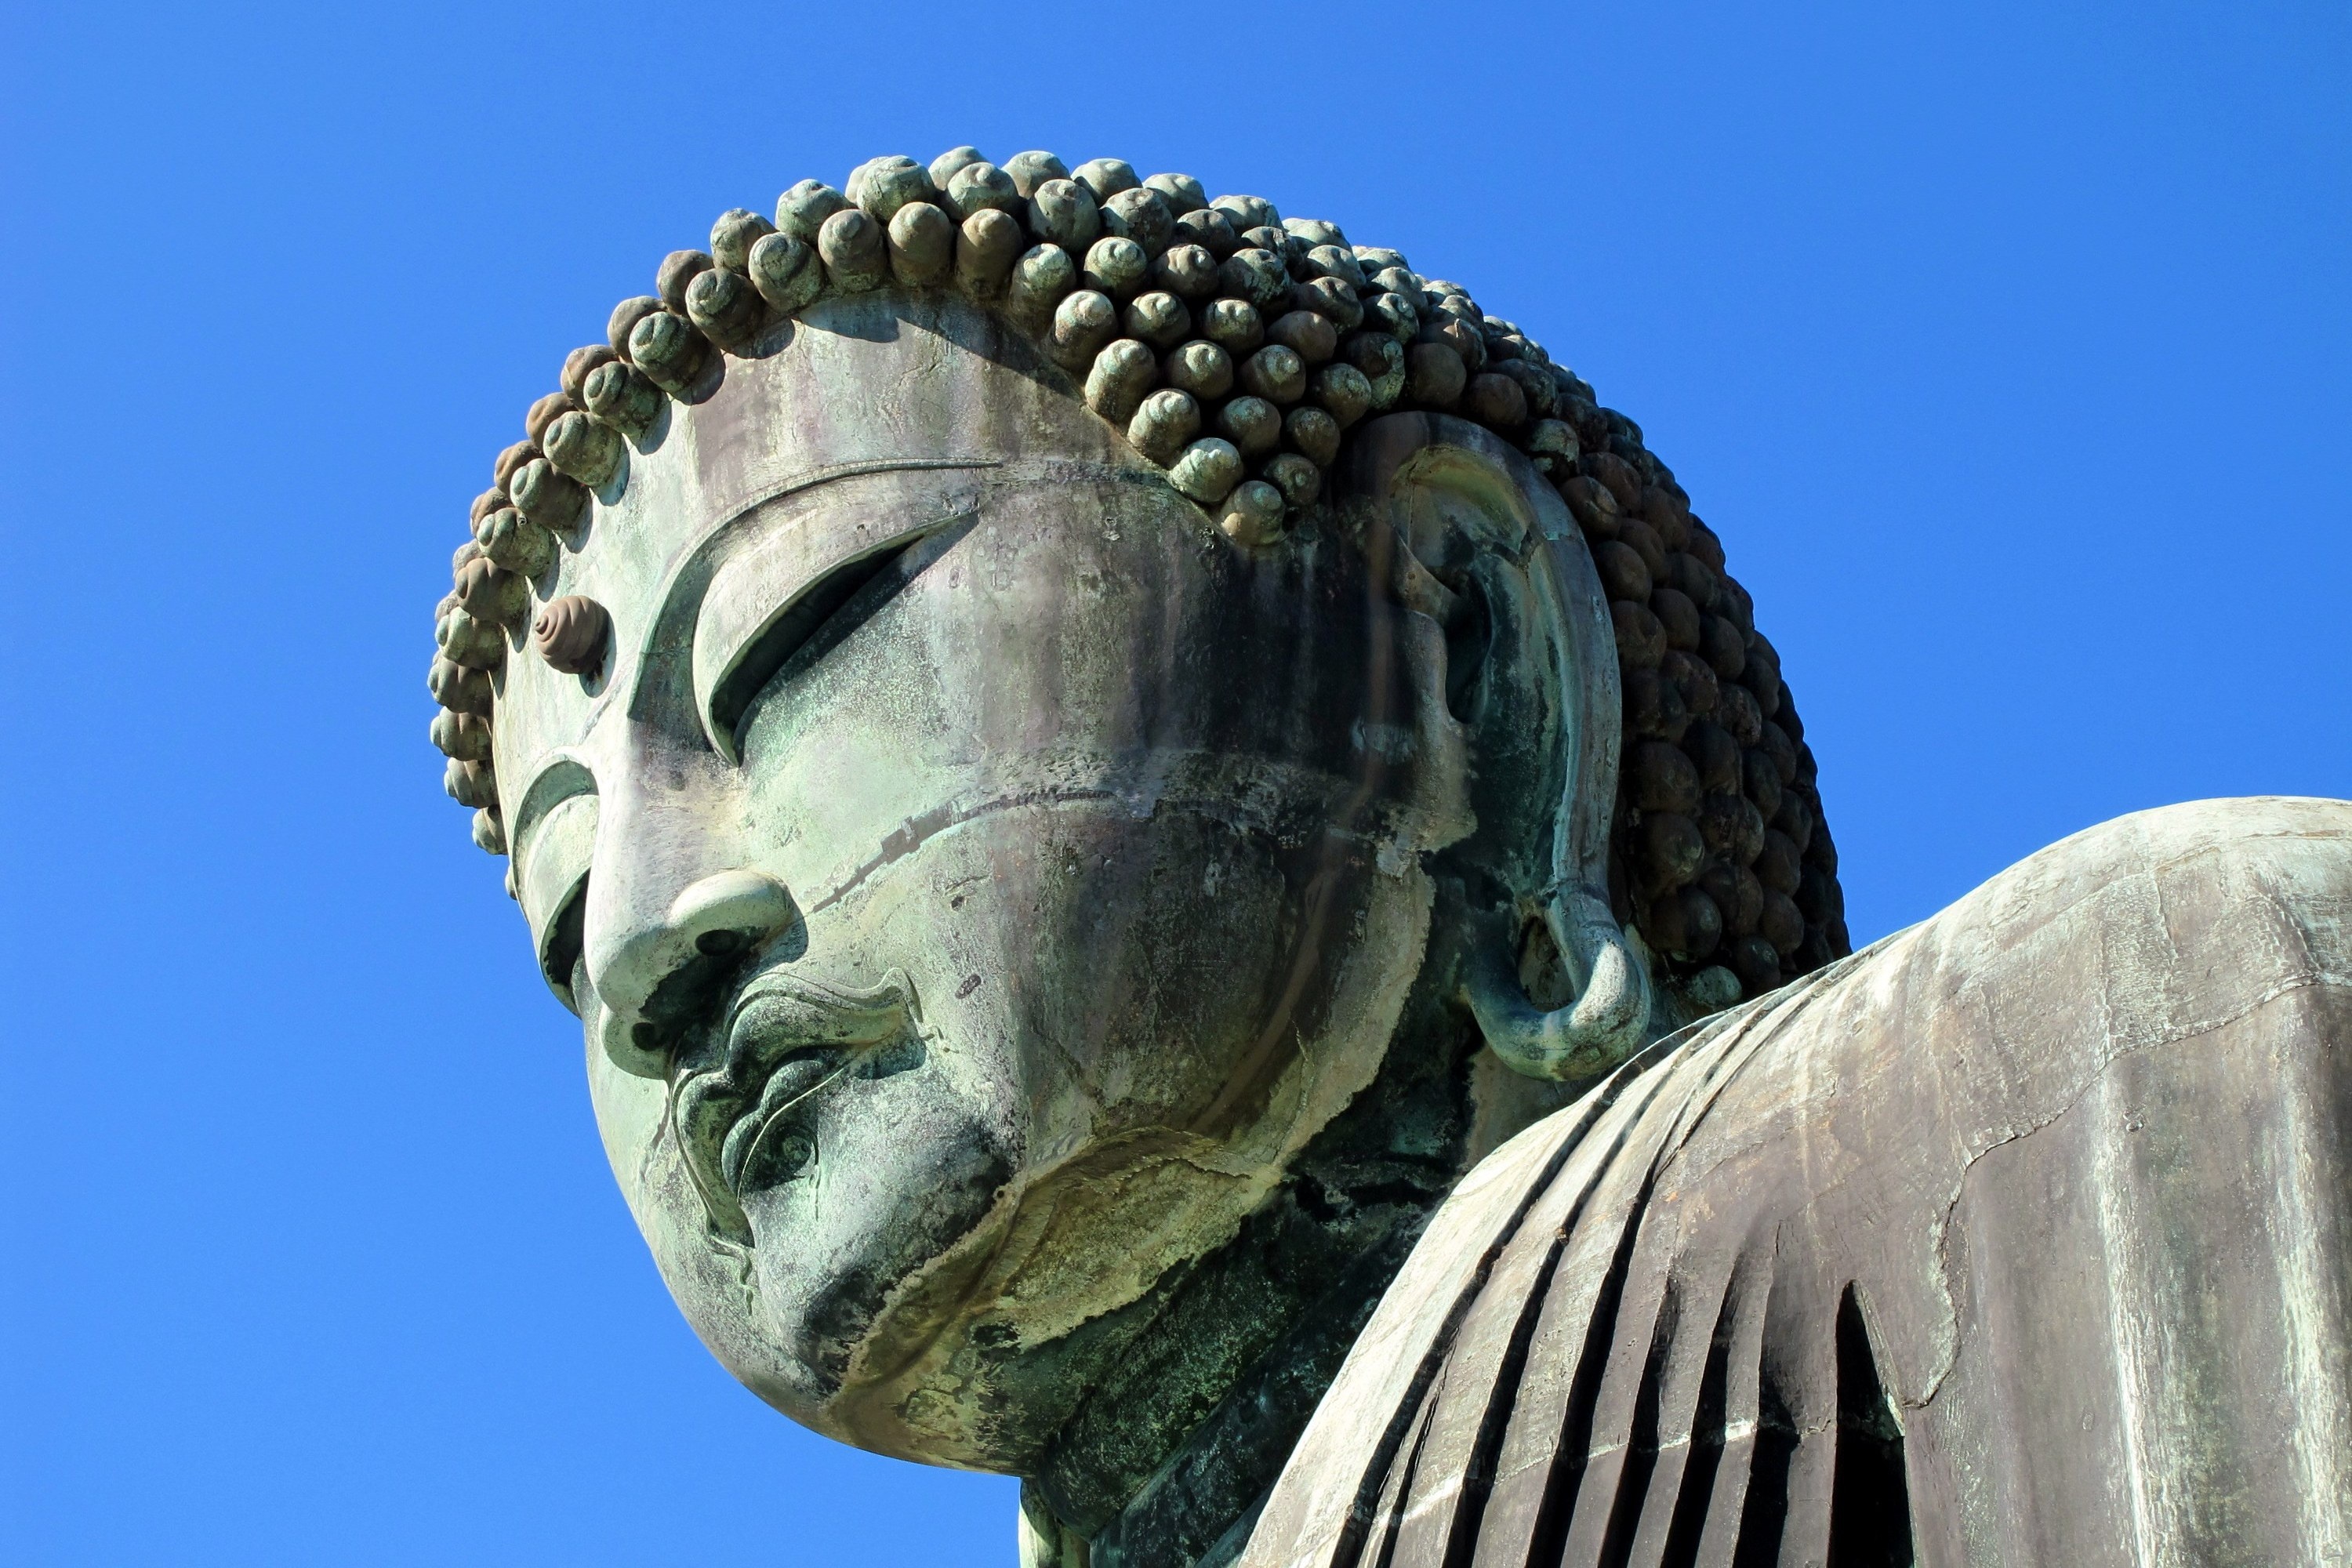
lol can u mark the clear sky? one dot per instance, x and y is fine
(2007, 348)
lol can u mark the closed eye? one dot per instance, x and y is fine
(566, 939)
(819, 618)
(553, 852)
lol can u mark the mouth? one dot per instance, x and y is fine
(748, 1123)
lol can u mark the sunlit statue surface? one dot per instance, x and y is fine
(1187, 878)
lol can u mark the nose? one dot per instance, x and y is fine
(660, 972)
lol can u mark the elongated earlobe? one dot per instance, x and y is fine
(1445, 494)
(1604, 1024)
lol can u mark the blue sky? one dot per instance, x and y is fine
(2006, 347)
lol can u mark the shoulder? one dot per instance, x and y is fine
(1704, 1302)
(1392, 1461)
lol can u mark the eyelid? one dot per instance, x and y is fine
(550, 872)
(756, 591)
(553, 840)
(557, 780)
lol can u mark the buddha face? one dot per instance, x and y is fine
(975, 876)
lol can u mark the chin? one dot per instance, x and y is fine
(903, 1170)
(840, 1275)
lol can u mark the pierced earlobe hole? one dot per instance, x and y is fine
(720, 943)
(1466, 643)
(644, 1037)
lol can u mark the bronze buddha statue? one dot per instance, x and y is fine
(1187, 878)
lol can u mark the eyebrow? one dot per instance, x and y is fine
(561, 775)
(810, 478)
(768, 597)
(695, 557)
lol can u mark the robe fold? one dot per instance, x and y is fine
(2023, 1236)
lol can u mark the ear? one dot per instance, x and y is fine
(1471, 534)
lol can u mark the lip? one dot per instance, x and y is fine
(790, 1037)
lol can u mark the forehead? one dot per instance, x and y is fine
(871, 399)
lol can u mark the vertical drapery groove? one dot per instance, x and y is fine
(1584, 1395)
(1479, 1479)
(1642, 1437)
(1706, 1441)
(1870, 1500)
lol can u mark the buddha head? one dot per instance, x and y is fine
(1039, 721)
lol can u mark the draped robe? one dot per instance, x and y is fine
(2023, 1236)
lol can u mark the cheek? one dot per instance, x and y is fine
(1166, 962)
(629, 1112)
(709, 1283)
(632, 1117)
(1104, 969)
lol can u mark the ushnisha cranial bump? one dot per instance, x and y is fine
(1234, 349)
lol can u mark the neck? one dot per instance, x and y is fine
(1198, 1504)
(1184, 1431)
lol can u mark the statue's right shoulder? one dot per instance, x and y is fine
(1463, 1425)
(1954, 1237)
